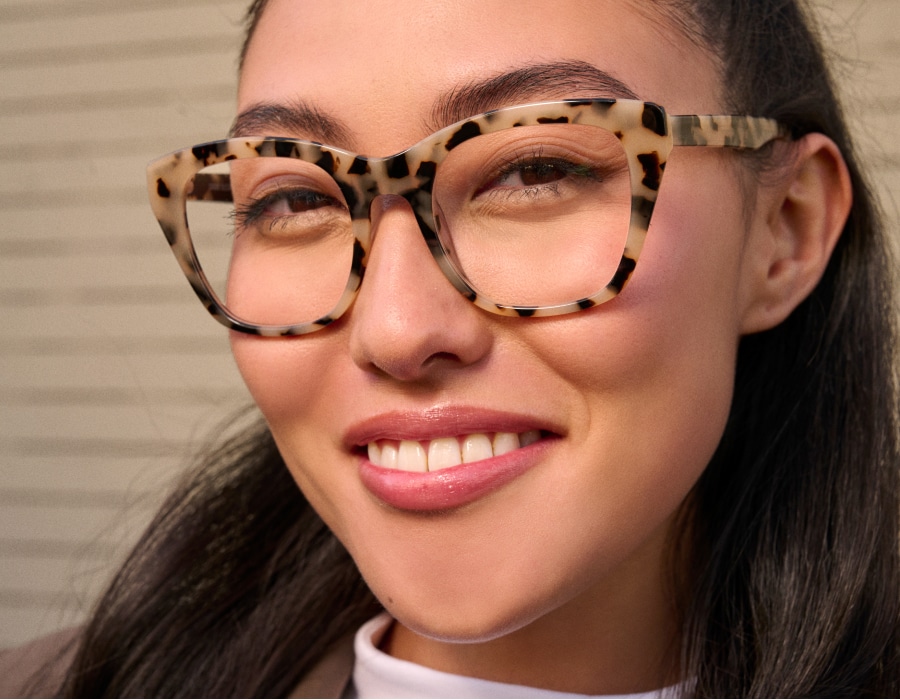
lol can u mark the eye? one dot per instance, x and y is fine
(283, 204)
(536, 174)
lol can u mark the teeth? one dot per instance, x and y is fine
(529, 438)
(383, 456)
(411, 457)
(441, 453)
(476, 447)
(506, 442)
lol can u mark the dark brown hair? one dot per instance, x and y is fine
(794, 580)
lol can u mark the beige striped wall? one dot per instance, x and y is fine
(110, 371)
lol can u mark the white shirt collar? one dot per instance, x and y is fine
(377, 675)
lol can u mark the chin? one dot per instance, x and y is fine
(470, 612)
(465, 627)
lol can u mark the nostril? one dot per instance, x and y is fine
(438, 357)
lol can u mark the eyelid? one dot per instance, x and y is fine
(566, 168)
(253, 209)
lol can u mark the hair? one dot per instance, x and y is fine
(791, 533)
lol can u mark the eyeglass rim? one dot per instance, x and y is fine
(646, 131)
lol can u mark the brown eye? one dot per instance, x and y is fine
(284, 202)
(534, 175)
(540, 173)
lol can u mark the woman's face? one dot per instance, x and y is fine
(629, 398)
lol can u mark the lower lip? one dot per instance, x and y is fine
(448, 488)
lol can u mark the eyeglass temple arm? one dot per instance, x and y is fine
(725, 131)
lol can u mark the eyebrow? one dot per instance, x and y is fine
(295, 118)
(532, 83)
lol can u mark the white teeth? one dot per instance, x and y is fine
(441, 453)
(411, 457)
(505, 442)
(389, 456)
(476, 447)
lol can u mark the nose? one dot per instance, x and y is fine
(408, 321)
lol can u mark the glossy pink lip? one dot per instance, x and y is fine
(448, 488)
(456, 486)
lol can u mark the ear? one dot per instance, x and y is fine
(799, 216)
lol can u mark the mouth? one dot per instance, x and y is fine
(445, 452)
(447, 457)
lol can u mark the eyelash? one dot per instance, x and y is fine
(521, 163)
(254, 209)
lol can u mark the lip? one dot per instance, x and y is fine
(455, 486)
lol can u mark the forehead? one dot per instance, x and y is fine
(384, 69)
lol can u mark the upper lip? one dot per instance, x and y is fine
(442, 421)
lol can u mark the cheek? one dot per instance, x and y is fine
(290, 380)
(687, 285)
(655, 367)
(274, 372)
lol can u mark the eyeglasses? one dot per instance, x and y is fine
(535, 210)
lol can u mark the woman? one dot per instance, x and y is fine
(687, 484)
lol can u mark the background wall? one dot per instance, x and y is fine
(110, 371)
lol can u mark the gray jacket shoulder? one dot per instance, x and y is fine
(37, 668)
(330, 677)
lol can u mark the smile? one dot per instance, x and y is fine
(445, 452)
(449, 456)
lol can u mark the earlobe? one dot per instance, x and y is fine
(798, 220)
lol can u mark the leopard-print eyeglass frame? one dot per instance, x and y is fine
(646, 132)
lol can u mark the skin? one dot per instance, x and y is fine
(559, 579)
